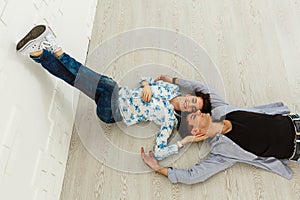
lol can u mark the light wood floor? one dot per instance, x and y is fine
(256, 46)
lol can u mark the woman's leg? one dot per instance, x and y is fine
(98, 87)
(107, 95)
(86, 80)
(103, 89)
(53, 66)
(73, 72)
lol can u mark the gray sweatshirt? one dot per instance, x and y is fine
(224, 152)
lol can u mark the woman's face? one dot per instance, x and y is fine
(190, 103)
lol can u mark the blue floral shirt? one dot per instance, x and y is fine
(159, 110)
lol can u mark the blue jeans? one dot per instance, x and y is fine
(102, 89)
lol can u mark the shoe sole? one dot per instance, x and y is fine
(33, 34)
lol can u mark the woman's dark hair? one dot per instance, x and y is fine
(206, 102)
(183, 127)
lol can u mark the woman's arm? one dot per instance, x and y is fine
(161, 148)
(193, 87)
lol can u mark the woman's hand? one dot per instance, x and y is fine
(147, 93)
(193, 138)
(164, 78)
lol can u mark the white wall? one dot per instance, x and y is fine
(36, 110)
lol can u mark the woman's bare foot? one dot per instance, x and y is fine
(36, 53)
(58, 53)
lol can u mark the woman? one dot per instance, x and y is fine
(154, 101)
